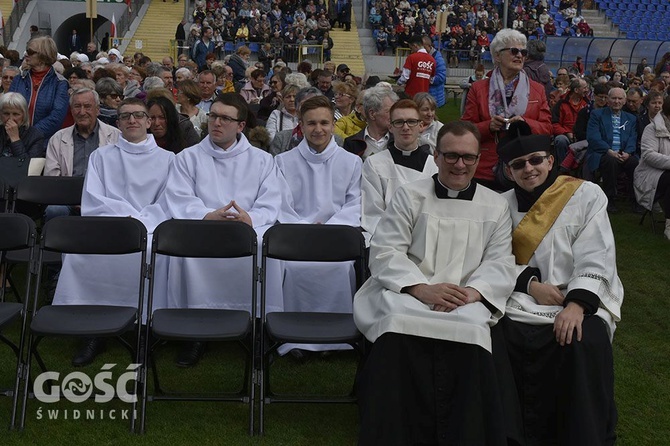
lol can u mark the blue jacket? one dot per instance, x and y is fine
(599, 134)
(436, 89)
(51, 104)
(200, 51)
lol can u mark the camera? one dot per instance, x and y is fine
(507, 122)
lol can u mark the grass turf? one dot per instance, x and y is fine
(641, 357)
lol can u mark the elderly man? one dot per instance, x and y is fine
(612, 138)
(404, 161)
(325, 84)
(123, 179)
(442, 267)
(207, 84)
(377, 102)
(560, 320)
(221, 178)
(68, 151)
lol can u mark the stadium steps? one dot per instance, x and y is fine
(6, 7)
(601, 25)
(347, 46)
(156, 29)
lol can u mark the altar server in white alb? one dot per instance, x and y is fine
(221, 178)
(403, 161)
(442, 268)
(560, 320)
(122, 179)
(324, 187)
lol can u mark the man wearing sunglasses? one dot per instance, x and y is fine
(560, 319)
(122, 179)
(442, 268)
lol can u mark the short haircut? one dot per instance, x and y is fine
(205, 72)
(416, 40)
(505, 37)
(84, 90)
(373, 98)
(405, 103)
(304, 93)
(635, 90)
(132, 101)
(152, 82)
(243, 50)
(16, 100)
(191, 90)
(107, 86)
(599, 89)
(184, 72)
(326, 73)
(140, 70)
(257, 73)
(346, 87)
(160, 93)
(459, 128)
(290, 89)
(423, 97)
(316, 102)
(14, 69)
(236, 101)
(574, 85)
(47, 52)
(154, 69)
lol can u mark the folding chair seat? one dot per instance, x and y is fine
(89, 236)
(16, 232)
(44, 191)
(308, 243)
(205, 240)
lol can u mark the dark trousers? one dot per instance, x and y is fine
(610, 168)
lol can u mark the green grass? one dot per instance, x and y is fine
(641, 355)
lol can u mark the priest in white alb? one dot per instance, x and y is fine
(442, 267)
(560, 320)
(324, 187)
(122, 179)
(222, 178)
(404, 161)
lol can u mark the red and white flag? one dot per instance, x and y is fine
(130, 8)
(112, 32)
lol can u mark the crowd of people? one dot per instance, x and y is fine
(513, 296)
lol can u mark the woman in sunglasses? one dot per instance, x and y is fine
(508, 95)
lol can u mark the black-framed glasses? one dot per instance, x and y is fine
(533, 161)
(453, 157)
(516, 51)
(398, 123)
(224, 118)
(136, 114)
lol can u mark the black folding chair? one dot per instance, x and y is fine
(88, 235)
(309, 243)
(16, 232)
(213, 240)
(43, 191)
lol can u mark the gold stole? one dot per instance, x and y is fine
(532, 228)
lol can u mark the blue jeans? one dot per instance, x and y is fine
(53, 211)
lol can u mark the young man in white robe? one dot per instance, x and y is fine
(122, 179)
(560, 320)
(404, 161)
(222, 178)
(324, 187)
(442, 265)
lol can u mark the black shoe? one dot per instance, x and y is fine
(637, 209)
(87, 354)
(190, 354)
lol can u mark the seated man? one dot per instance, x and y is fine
(221, 178)
(69, 149)
(122, 179)
(612, 138)
(560, 320)
(403, 161)
(324, 187)
(377, 102)
(441, 264)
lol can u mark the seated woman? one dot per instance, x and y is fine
(286, 117)
(188, 97)
(427, 107)
(652, 176)
(18, 139)
(172, 131)
(111, 95)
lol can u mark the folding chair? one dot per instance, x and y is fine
(310, 243)
(43, 191)
(88, 235)
(206, 240)
(16, 232)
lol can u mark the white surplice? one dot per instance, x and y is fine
(577, 253)
(381, 177)
(204, 178)
(423, 239)
(322, 188)
(123, 179)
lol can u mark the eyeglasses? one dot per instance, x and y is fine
(274, 82)
(225, 119)
(7, 78)
(30, 51)
(339, 95)
(136, 114)
(533, 161)
(398, 123)
(516, 51)
(115, 96)
(453, 157)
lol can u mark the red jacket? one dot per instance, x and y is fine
(537, 116)
(564, 115)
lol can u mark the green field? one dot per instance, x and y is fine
(641, 354)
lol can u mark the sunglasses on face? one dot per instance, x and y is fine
(533, 161)
(516, 51)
